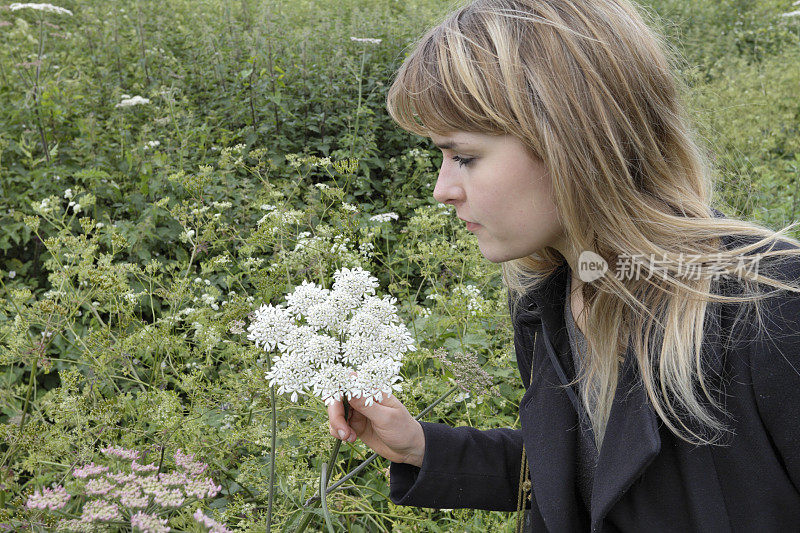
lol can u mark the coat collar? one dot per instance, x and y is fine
(631, 441)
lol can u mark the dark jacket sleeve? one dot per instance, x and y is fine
(775, 367)
(462, 468)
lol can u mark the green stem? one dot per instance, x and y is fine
(308, 516)
(358, 107)
(272, 452)
(323, 483)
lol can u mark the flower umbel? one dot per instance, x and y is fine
(50, 8)
(334, 343)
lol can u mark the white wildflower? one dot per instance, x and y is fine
(334, 343)
(791, 13)
(384, 217)
(151, 144)
(376, 378)
(292, 375)
(270, 325)
(304, 296)
(136, 100)
(333, 381)
(50, 8)
(356, 282)
(366, 40)
(68, 194)
(12, 274)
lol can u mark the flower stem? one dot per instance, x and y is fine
(327, 474)
(272, 452)
(323, 483)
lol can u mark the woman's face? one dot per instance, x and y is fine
(495, 184)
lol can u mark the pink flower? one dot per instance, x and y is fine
(122, 477)
(121, 453)
(89, 470)
(131, 496)
(100, 511)
(187, 462)
(52, 499)
(148, 523)
(169, 497)
(202, 488)
(143, 469)
(98, 487)
(173, 479)
(215, 527)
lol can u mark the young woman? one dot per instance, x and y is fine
(661, 395)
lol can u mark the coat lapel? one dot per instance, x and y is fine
(631, 441)
(549, 419)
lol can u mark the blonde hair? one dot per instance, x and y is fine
(588, 87)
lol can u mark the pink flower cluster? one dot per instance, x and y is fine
(213, 525)
(148, 523)
(89, 470)
(52, 499)
(187, 462)
(121, 453)
(118, 494)
(100, 511)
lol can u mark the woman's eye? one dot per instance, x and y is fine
(462, 160)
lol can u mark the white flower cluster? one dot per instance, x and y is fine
(366, 40)
(334, 343)
(41, 7)
(384, 217)
(127, 101)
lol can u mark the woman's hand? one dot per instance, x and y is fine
(387, 427)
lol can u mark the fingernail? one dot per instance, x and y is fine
(342, 434)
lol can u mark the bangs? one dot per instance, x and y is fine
(438, 88)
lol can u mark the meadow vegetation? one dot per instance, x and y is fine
(139, 235)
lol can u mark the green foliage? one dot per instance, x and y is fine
(137, 240)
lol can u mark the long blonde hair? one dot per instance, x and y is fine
(590, 89)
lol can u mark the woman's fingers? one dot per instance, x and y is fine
(336, 421)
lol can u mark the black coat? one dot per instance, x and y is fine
(647, 479)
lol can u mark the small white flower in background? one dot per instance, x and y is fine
(791, 13)
(12, 274)
(366, 40)
(334, 343)
(384, 217)
(267, 207)
(50, 8)
(322, 186)
(349, 207)
(136, 100)
(76, 208)
(68, 193)
(151, 144)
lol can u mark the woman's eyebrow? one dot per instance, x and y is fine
(447, 145)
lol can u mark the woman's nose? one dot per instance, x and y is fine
(448, 187)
